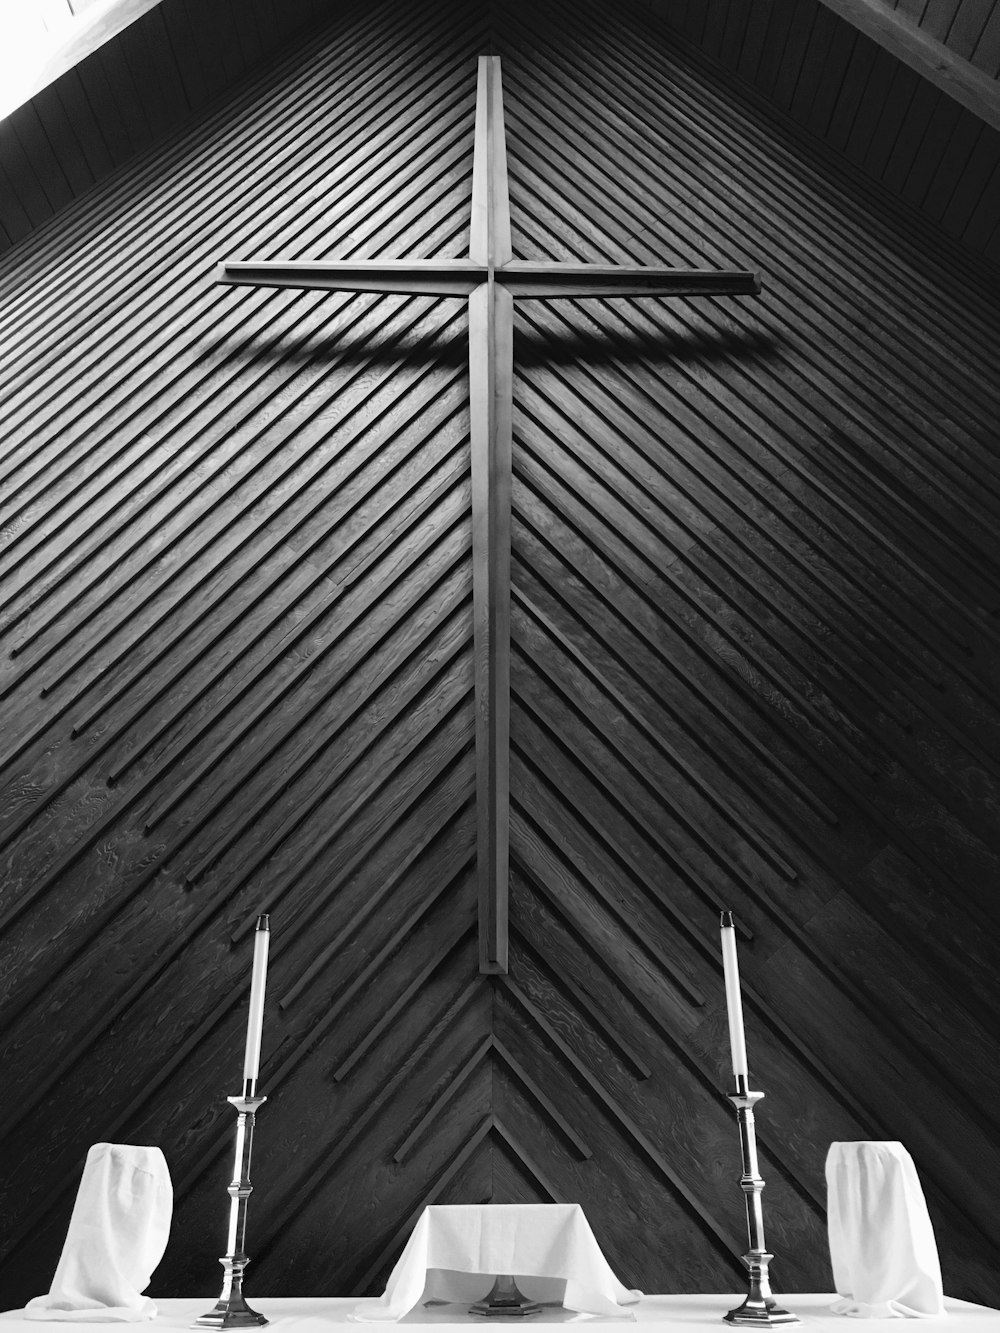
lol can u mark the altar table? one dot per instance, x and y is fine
(660, 1314)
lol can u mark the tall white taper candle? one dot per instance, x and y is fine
(255, 1021)
(734, 1003)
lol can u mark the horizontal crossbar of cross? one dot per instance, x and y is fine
(520, 277)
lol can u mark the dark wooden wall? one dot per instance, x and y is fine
(754, 653)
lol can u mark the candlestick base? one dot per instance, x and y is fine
(505, 1299)
(763, 1316)
(231, 1309)
(760, 1308)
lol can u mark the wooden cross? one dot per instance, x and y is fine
(491, 277)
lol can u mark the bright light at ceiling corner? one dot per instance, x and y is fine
(30, 35)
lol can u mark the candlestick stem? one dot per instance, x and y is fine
(760, 1307)
(231, 1310)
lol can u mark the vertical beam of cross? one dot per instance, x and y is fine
(491, 375)
(491, 277)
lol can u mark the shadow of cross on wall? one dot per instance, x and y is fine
(491, 278)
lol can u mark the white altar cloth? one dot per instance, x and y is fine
(657, 1314)
(882, 1247)
(456, 1251)
(117, 1235)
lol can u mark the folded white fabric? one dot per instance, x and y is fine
(549, 1249)
(885, 1259)
(116, 1237)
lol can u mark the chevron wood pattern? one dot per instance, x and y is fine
(754, 639)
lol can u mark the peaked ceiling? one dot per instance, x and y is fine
(906, 92)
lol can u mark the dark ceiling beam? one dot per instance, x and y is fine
(925, 55)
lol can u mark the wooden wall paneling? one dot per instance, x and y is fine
(986, 55)
(155, 64)
(783, 51)
(459, 1020)
(789, 928)
(27, 188)
(693, 779)
(985, 216)
(791, 68)
(828, 56)
(597, 1014)
(805, 892)
(244, 21)
(778, 608)
(723, 152)
(114, 130)
(755, 39)
(46, 167)
(13, 219)
(930, 150)
(119, 71)
(879, 103)
(743, 690)
(900, 101)
(762, 665)
(715, 16)
(855, 82)
(968, 136)
(967, 25)
(84, 720)
(175, 257)
(614, 1121)
(124, 1001)
(730, 39)
(216, 33)
(938, 18)
(201, 77)
(697, 724)
(87, 158)
(631, 911)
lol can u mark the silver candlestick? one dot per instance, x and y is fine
(760, 1307)
(231, 1310)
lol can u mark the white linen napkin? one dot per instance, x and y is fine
(549, 1249)
(116, 1237)
(885, 1259)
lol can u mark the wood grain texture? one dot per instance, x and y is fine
(754, 586)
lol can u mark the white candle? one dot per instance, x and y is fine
(255, 1021)
(734, 1004)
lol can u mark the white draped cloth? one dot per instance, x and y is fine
(882, 1247)
(455, 1253)
(117, 1235)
